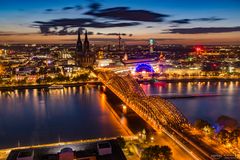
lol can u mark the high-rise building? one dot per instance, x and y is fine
(119, 41)
(151, 43)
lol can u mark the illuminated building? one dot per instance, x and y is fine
(83, 56)
(79, 47)
(184, 71)
(151, 43)
(144, 67)
(65, 54)
(119, 41)
(100, 54)
(125, 58)
(104, 62)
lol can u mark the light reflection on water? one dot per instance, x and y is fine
(36, 116)
(209, 108)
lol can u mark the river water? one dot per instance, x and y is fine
(35, 116)
(205, 100)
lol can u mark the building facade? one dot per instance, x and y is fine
(83, 56)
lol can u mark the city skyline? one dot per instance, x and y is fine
(206, 22)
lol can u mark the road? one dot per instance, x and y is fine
(154, 111)
(178, 152)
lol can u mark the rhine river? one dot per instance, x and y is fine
(34, 116)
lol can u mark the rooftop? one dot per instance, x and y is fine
(80, 150)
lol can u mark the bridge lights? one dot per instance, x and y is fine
(133, 72)
(152, 139)
(104, 88)
(124, 108)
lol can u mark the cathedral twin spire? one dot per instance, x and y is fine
(82, 48)
(79, 46)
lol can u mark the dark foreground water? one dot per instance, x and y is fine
(36, 116)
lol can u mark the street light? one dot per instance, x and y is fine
(152, 139)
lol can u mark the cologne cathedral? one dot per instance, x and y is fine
(83, 56)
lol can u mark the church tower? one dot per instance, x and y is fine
(79, 47)
(83, 57)
(86, 44)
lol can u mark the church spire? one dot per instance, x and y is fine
(86, 43)
(79, 47)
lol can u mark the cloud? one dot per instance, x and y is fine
(181, 21)
(77, 7)
(199, 30)
(83, 22)
(51, 27)
(188, 21)
(13, 33)
(49, 10)
(95, 6)
(114, 17)
(114, 34)
(149, 27)
(67, 8)
(65, 31)
(125, 13)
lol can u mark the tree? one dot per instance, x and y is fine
(200, 124)
(48, 79)
(223, 136)
(42, 70)
(166, 152)
(90, 68)
(156, 153)
(234, 136)
(121, 142)
(23, 81)
(151, 153)
(209, 130)
(39, 81)
(227, 122)
(61, 78)
(82, 77)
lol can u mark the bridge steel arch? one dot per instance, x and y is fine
(159, 113)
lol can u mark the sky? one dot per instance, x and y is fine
(166, 21)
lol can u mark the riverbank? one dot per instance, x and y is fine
(76, 84)
(45, 86)
(206, 79)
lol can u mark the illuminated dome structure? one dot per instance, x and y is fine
(144, 67)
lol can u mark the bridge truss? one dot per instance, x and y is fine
(155, 110)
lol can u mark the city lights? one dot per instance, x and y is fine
(158, 81)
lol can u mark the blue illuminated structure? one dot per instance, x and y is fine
(144, 67)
